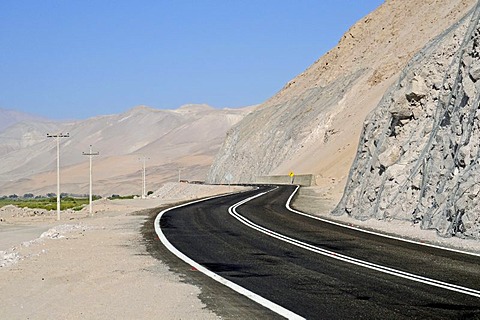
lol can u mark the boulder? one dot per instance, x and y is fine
(416, 89)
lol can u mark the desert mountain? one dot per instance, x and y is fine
(11, 117)
(419, 154)
(181, 141)
(313, 124)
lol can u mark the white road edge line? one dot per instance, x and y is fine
(247, 293)
(334, 255)
(372, 232)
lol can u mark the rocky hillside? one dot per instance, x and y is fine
(419, 153)
(312, 125)
(185, 139)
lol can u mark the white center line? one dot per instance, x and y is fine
(335, 255)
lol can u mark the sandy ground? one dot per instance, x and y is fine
(85, 267)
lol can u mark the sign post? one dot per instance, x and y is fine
(292, 176)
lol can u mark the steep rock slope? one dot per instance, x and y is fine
(419, 154)
(312, 125)
(185, 139)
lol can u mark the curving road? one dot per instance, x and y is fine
(299, 266)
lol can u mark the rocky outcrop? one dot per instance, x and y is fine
(419, 153)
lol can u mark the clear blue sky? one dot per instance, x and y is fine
(82, 58)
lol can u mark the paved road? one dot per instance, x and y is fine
(315, 285)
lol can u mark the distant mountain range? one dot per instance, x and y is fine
(176, 143)
(10, 117)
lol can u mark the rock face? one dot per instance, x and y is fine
(313, 124)
(419, 153)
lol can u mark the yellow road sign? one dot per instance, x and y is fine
(291, 174)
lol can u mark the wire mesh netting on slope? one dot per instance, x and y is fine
(419, 153)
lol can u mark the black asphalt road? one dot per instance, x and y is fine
(316, 286)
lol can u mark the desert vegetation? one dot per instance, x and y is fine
(47, 202)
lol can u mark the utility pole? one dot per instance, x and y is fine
(90, 154)
(144, 183)
(58, 136)
(179, 171)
